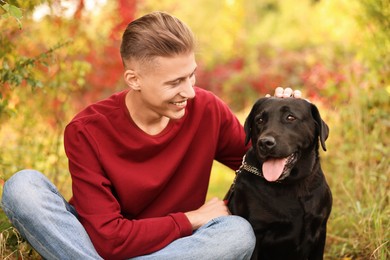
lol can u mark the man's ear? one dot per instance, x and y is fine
(132, 79)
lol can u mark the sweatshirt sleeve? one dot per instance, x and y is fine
(113, 235)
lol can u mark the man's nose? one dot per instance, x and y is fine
(188, 90)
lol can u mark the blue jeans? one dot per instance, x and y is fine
(50, 225)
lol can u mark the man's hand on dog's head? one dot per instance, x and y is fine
(287, 92)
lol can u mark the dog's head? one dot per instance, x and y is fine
(282, 131)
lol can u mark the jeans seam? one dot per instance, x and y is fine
(15, 219)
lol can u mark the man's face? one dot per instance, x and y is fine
(167, 84)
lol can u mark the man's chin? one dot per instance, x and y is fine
(177, 115)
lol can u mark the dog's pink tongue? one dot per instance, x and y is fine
(273, 168)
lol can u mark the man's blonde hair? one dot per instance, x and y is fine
(157, 34)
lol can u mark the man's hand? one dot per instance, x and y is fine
(288, 92)
(210, 210)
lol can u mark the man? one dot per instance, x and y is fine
(140, 163)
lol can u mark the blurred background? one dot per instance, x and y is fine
(58, 56)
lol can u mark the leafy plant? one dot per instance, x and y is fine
(11, 11)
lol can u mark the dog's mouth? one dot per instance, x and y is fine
(277, 169)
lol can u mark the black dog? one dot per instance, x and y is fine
(280, 187)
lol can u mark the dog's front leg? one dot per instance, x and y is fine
(317, 252)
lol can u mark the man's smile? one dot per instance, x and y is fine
(180, 103)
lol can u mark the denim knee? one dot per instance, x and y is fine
(226, 237)
(20, 192)
(241, 237)
(234, 239)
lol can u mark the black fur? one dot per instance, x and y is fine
(289, 216)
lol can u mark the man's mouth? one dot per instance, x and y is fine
(277, 169)
(180, 104)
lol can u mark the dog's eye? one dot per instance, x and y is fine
(260, 120)
(291, 118)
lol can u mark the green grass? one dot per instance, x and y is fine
(358, 169)
(221, 179)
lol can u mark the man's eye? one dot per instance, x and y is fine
(291, 118)
(175, 83)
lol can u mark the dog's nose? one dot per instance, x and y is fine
(267, 143)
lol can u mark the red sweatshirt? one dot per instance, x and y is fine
(130, 189)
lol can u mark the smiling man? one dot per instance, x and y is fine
(160, 90)
(140, 163)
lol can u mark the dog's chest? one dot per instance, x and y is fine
(276, 209)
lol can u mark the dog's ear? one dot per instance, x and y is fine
(323, 129)
(248, 126)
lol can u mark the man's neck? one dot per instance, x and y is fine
(147, 121)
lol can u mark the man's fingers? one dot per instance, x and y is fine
(287, 92)
(279, 92)
(297, 94)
